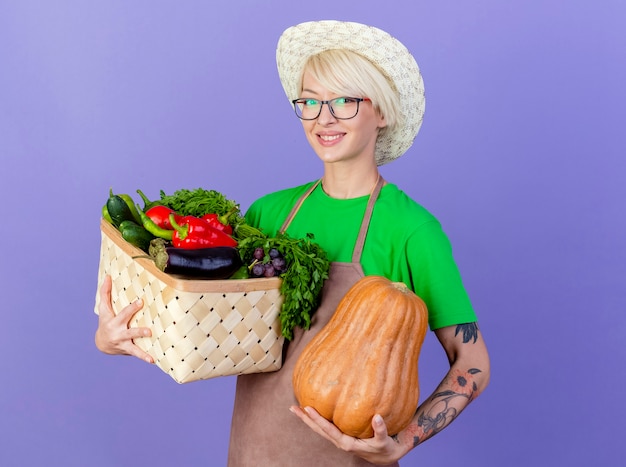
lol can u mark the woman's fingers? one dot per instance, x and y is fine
(114, 335)
(105, 308)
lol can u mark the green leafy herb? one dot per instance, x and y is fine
(307, 269)
(198, 202)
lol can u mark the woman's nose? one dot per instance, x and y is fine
(326, 116)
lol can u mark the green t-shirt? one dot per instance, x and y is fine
(404, 242)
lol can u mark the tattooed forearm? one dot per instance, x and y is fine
(455, 392)
(467, 377)
(469, 330)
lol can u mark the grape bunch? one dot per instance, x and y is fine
(267, 265)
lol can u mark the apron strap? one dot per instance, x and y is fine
(296, 207)
(360, 241)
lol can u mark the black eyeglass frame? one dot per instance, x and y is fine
(330, 107)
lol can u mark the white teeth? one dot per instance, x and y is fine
(329, 138)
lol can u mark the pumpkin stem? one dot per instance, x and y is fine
(401, 286)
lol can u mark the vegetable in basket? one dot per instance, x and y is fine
(120, 208)
(208, 204)
(160, 215)
(221, 222)
(192, 232)
(206, 263)
(306, 269)
(105, 214)
(199, 202)
(136, 234)
(156, 230)
(185, 231)
(147, 203)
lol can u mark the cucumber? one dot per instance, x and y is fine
(118, 210)
(135, 234)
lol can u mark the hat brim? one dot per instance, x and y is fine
(392, 58)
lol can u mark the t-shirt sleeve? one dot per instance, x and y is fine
(252, 215)
(436, 278)
(266, 214)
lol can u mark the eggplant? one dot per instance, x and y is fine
(218, 262)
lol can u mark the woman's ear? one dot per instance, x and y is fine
(382, 123)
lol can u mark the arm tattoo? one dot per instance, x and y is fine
(454, 393)
(469, 330)
(443, 406)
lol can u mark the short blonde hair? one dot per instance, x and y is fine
(349, 74)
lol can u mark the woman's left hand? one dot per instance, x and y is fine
(381, 449)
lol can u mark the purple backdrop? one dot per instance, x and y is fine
(521, 157)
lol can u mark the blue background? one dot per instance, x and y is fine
(521, 157)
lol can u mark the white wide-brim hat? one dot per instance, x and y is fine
(392, 58)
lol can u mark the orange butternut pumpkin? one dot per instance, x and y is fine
(364, 361)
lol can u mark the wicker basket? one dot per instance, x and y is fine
(201, 329)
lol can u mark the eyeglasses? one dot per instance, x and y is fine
(342, 108)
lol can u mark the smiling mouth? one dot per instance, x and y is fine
(329, 138)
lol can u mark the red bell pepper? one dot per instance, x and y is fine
(160, 215)
(221, 222)
(193, 232)
(214, 221)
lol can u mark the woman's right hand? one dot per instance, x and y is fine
(113, 335)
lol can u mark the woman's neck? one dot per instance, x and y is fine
(349, 183)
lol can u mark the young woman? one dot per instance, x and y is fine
(359, 95)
